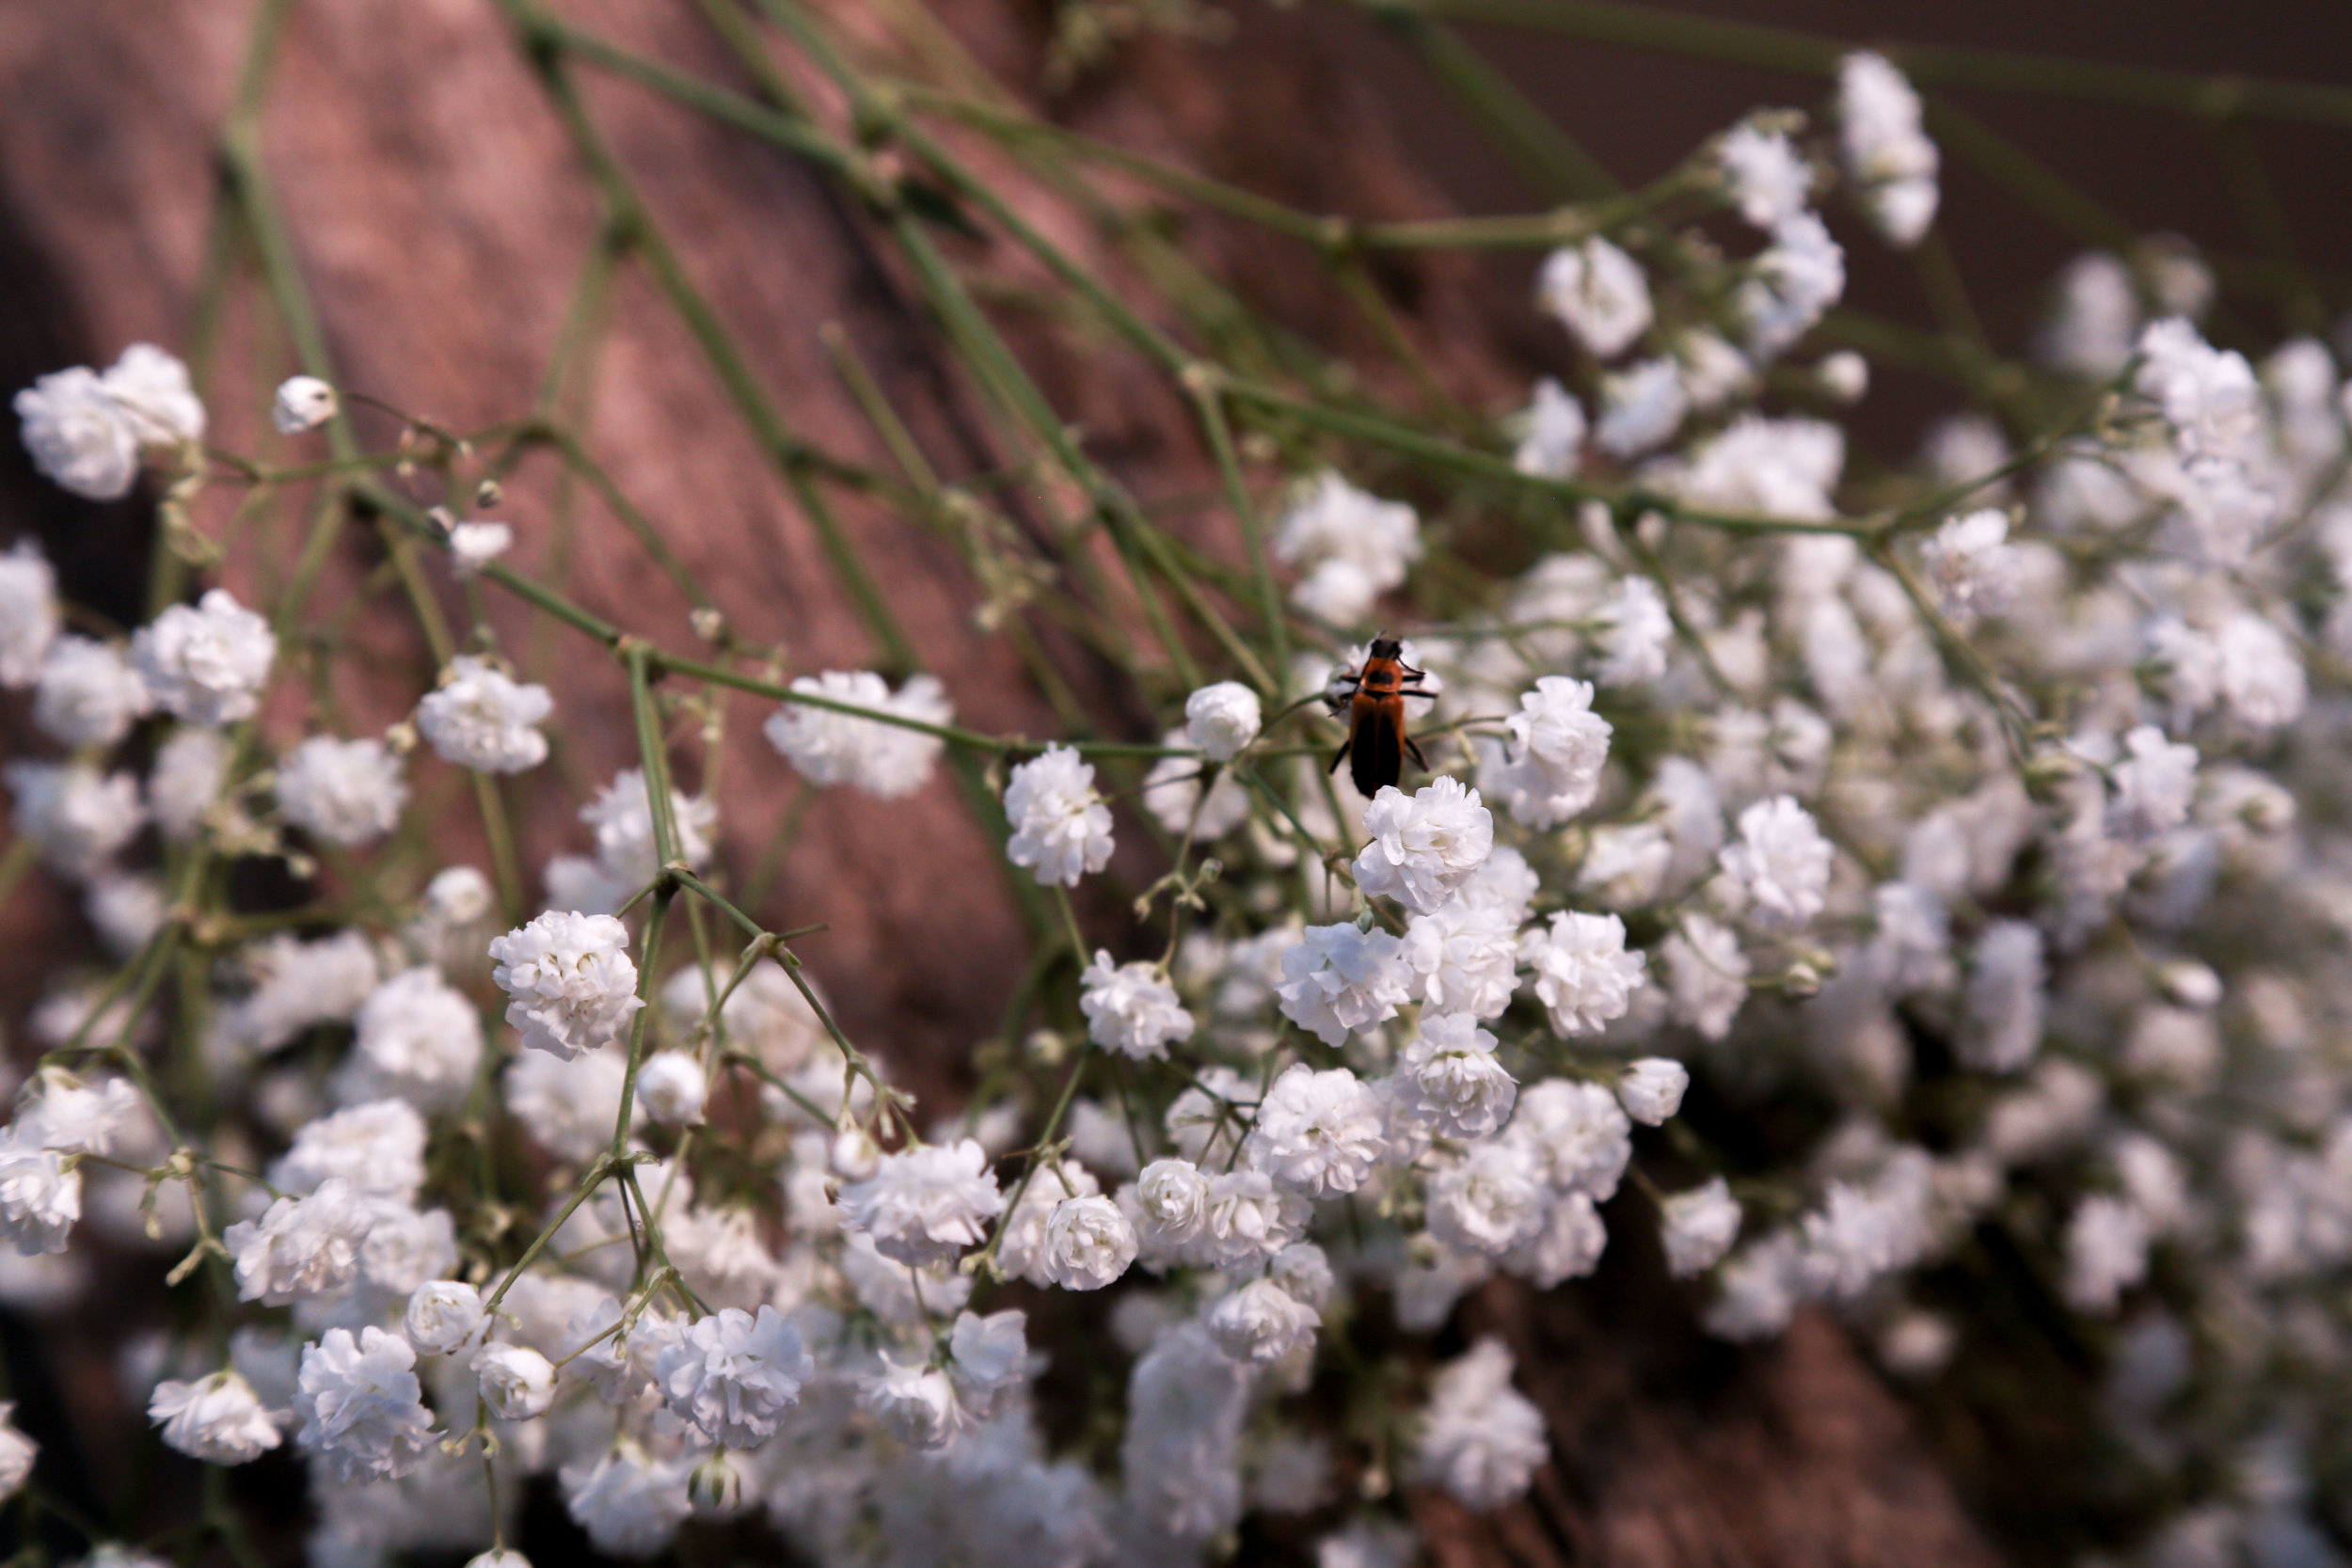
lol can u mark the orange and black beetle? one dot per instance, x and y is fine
(1375, 698)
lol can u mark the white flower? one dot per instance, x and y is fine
(766, 1014)
(186, 779)
(17, 1452)
(733, 1375)
(886, 761)
(1338, 979)
(1698, 1228)
(1779, 467)
(1760, 1289)
(987, 1358)
(40, 1199)
(78, 436)
(298, 985)
(1460, 1085)
(1584, 974)
(1172, 793)
(28, 612)
(1568, 1244)
(346, 792)
(2090, 328)
(620, 816)
(2153, 787)
(1791, 284)
(475, 545)
(571, 984)
(406, 1248)
(360, 1406)
(56, 1109)
(377, 1146)
(1463, 957)
(1425, 845)
(1706, 976)
(1260, 1323)
(1169, 1206)
(1132, 1009)
(79, 818)
(629, 1502)
(1558, 745)
(2107, 1252)
(1249, 1219)
(1480, 1439)
(217, 1419)
(516, 1382)
(1638, 629)
(1781, 864)
(1061, 829)
(87, 693)
(1352, 547)
(2209, 396)
(481, 718)
(2001, 1005)
(1577, 1134)
(1598, 293)
(1713, 373)
(442, 1315)
(301, 1247)
(1973, 567)
(1088, 1243)
(1843, 376)
(152, 390)
(1651, 1089)
(569, 1106)
(915, 1404)
(127, 907)
(303, 402)
(1625, 864)
(1550, 432)
(1320, 1133)
(418, 1037)
(1492, 1201)
(206, 663)
(1640, 406)
(1886, 153)
(925, 1205)
(1768, 177)
(1222, 719)
(673, 1087)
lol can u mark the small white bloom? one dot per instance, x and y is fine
(1780, 862)
(1706, 976)
(1061, 829)
(2153, 787)
(1577, 1134)
(1844, 377)
(154, 395)
(925, 1205)
(1088, 1243)
(346, 792)
(1463, 957)
(40, 1199)
(570, 1107)
(2001, 1005)
(1768, 179)
(87, 694)
(1172, 793)
(377, 1146)
(475, 545)
(1492, 1201)
(303, 402)
(79, 818)
(17, 1452)
(571, 984)
(1973, 567)
(79, 437)
(1338, 980)
(1352, 547)
(1698, 1228)
(1132, 1009)
(1169, 1206)
(731, 1375)
(360, 1406)
(988, 1358)
(629, 1503)
(1425, 845)
(189, 771)
(1651, 1089)
(301, 1247)
(1558, 747)
(482, 719)
(1222, 719)
(1550, 432)
(915, 1404)
(1260, 1323)
(2209, 396)
(442, 1316)
(1792, 285)
(1640, 406)
(28, 612)
(206, 663)
(1320, 1133)
(620, 816)
(1451, 1064)
(516, 1382)
(2107, 1252)
(1886, 153)
(418, 1037)
(1598, 293)
(1249, 1219)
(1637, 630)
(673, 1087)
(1480, 1439)
(1583, 975)
(886, 761)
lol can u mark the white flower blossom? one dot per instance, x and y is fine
(629, 1503)
(17, 1452)
(1424, 846)
(1061, 829)
(1698, 1226)
(1792, 285)
(1480, 1439)
(570, 979)
(1640, 406)
(2209, 396)
(1260, 1323)
(1550, 432)
(2152, 786)
(442, 1316)
(87, 693)
(1598, 291)
(1088, 1243)
(78, 817)
(731, 1375)
(1706, 976)
(206, 663)
(1169, 1206)
(29, 619)
(1338, 980)
(1172, 793)
(1780, 864)
(2107, 1252)
(1651, 1089)
(1317, 1132)
(360, 1406)
(1886, 153)
(2001, 1028)
(1558, 746)
(1351, 547)
(1452, 1063)
(189, 771)
(1493, 1199)
(302, 402)
(301, 1247)
(1463, 957)
(886, 761)
(418, 1037)
(673, 1087)
(1249, 1219)
(1222, 719)
(516, 1382)
(475, 545)
(570, 1106)
(925, 1205)
(346, 792)
(78, 436)
(917, 1404)
(1132, 1009)
(620, 816)
(40, 1197)
(482, 719)
(1584, 976)
(987, 1358)
(1578, 1134)
(1973, 568)
(378, 1148)
(152, 391)
(1768, 177)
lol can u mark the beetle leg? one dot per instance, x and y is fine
(1419, 761)
(1341, 755)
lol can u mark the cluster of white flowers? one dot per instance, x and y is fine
(827, 746)
(86, 428)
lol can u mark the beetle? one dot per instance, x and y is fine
(1375, 698)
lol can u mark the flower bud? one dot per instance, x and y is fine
(303, 402)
